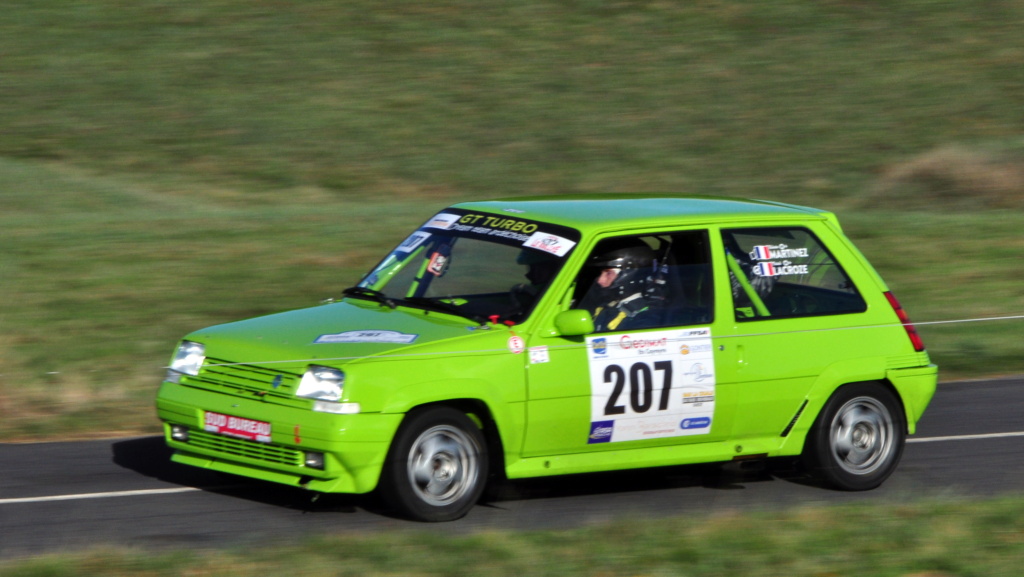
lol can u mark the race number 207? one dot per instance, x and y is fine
(639, 378)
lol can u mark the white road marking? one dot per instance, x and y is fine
(174, 490)
(966, 437)
(99, 495)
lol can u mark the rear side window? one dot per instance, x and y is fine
(786, 273)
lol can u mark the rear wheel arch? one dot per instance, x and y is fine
(857, 438)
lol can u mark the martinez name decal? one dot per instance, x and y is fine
(774, 251)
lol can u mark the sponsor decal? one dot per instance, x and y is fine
(697, 397)
(507, 229)
(539, 355)
(644, 345)
(413, 242)
(491, 222)
(516, 344)
(237, 427)
(695, 423)
(645, 384)
(698, 372)
(438, 264)
(695, 349)
(777, 251)
(601, 432)
(366, 336)
(550, 243)
(443, 221)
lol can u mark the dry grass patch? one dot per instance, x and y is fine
(953, 177)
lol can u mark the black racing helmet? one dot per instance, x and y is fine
(633, 258)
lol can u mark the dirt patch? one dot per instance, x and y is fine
(952, 177)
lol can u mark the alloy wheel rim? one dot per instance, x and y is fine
(861, 435)
(442, 465)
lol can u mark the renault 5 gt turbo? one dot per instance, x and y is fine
(553, 336)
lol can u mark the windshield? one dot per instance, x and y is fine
(480, 266)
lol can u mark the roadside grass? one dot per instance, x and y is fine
(104, 278)
(99, 294)
(167, 166)
(929, 538)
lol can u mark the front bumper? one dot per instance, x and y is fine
(354, 446)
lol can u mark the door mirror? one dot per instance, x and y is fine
(574, 322)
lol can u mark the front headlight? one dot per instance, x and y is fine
(321, 383)
(187, 360)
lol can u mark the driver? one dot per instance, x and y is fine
(618, 298)
(540, 270)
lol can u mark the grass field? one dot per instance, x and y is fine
(165, 166)
(168, 166)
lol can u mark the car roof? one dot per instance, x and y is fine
(606, 210)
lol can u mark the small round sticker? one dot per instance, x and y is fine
(516, 344)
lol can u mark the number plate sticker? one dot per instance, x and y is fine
(651, 385)
(237, 427)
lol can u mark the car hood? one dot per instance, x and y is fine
(333, 334)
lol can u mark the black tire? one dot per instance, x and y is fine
(858, 438)
(437, 467)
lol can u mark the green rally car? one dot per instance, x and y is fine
(550, 336)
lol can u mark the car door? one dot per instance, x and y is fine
(645, 376)
(791, 304)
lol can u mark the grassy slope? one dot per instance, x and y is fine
(165, 167)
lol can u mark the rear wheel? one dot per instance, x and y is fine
(437, 466)
(858, 438)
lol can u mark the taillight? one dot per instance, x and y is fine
(915, 338)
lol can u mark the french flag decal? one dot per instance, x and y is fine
(765, 269)
(763, 252)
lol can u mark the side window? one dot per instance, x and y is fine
(647, 281)
(785, 273)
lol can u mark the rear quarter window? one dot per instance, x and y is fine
(786, 272)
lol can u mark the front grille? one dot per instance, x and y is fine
(247, 381)
(263, 452)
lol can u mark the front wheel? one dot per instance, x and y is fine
(437, 466)
(858, 438)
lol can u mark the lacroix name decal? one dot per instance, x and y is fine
(779, 269)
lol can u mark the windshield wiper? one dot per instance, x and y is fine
(445, 307)
(369, 294)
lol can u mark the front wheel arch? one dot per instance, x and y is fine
(438, 464)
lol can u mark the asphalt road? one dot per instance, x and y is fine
(66, 496)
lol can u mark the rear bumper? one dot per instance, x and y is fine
(916, 387)
(354, 446)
